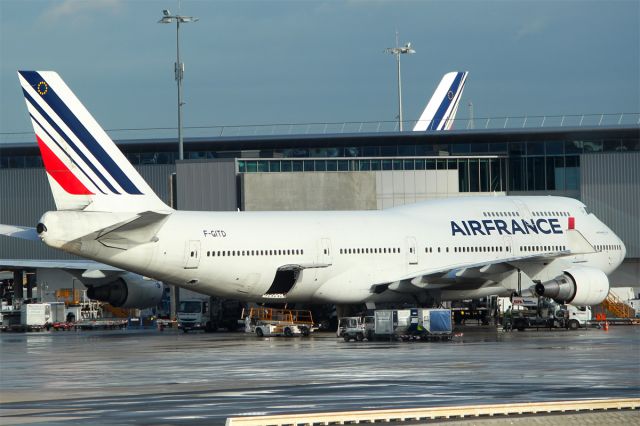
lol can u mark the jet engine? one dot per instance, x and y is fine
(128, 291)
(579, 286)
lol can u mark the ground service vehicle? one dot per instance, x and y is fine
(546, 314)
(573, 317)
(357, 328)
(400, 324)
(208, 314)
(269, 322)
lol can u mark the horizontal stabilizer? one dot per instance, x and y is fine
(22, 232)
(138, 231)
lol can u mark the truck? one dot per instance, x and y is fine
(208, 314)
(525, 312)
(400, 324)
(270, 322)
(357, 328)
(573, 317)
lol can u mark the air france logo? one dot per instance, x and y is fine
(505, 227)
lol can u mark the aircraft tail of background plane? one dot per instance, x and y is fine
(443, 105)
(85, 168)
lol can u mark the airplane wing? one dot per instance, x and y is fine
(57, 264)
(482, 273)
(470, 274)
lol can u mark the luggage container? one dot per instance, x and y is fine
(437, 323)
(406, 324)
(35, 315)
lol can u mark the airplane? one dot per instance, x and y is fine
(109, 284)
(441, 109)
(424, 253)
(122, 289)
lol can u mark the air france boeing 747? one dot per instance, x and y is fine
(436, 250)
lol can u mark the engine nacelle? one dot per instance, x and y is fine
(129, 291)
(579, 286)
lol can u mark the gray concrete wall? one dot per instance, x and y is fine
(627, 275)
(610, 187)
(207, 185)
(399, 187)
(309, 191)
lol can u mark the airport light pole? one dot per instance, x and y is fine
(397, 51)
(168, 18)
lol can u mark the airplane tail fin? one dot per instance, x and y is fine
(85, 168)
(443, 105)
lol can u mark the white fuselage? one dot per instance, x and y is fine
(340, 256)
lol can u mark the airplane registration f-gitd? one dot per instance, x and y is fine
(444, 249)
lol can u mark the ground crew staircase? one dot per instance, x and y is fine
(617, 308)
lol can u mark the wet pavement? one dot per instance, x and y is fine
(157, 378)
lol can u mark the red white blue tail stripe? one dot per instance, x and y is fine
(443, 105)
(83, 163)
(91, 159)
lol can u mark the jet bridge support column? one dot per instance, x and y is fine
(18, 292)
(31, 279)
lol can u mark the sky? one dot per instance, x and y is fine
(261, 62)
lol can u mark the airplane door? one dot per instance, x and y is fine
(192, 254)
(412, 253)
(325, 251)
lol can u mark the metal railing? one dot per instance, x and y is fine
(288, 129)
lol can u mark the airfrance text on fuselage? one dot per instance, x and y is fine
(505, 227)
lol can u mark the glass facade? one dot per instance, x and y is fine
(528, 161)
(475, 174)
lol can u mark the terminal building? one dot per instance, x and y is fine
(355, 171)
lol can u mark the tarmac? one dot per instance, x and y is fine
(169, 378)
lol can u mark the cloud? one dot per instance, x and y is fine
(532, 27)
(80, 10)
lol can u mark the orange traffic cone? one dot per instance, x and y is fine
(606, 326)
